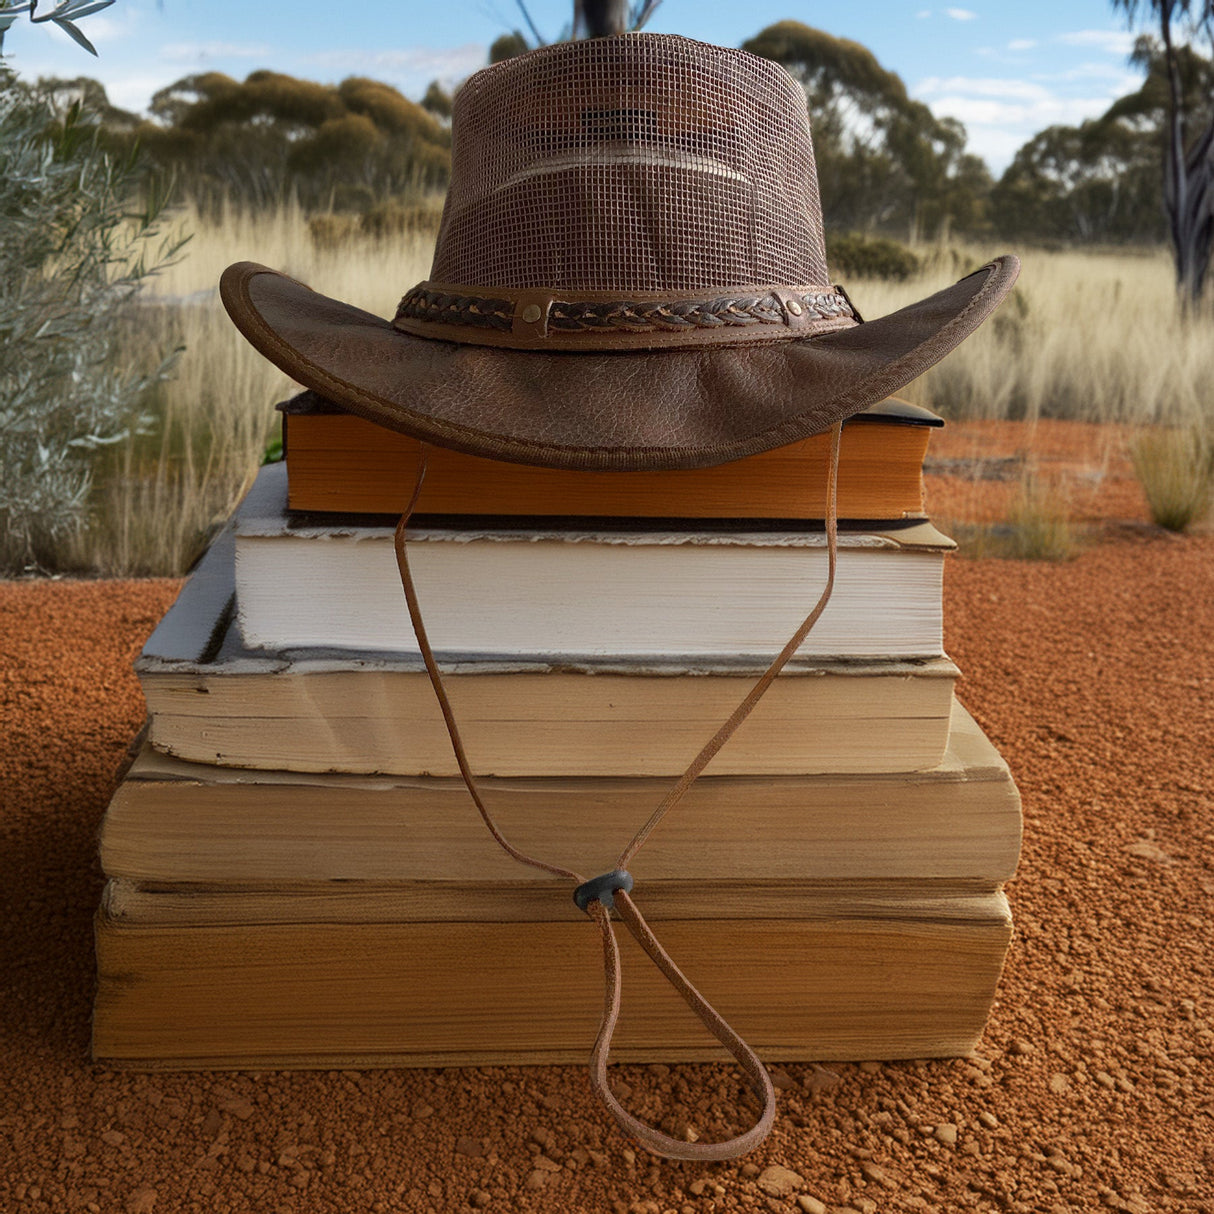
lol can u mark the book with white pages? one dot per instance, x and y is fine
(213, 699)
(591, 589)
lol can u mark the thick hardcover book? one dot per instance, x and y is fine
(212, 699)
(565, 593)
(439, 974)
(340, 462)
(172, 822)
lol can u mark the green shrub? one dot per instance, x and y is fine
(332, 231)
(72, 259)
(352, 196)
(379, 221)
(389, 219)
(854, 255)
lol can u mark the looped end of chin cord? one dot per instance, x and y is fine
(651, 1139)
(602, 896)
(602, 889)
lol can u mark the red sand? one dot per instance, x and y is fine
(1092, 1088)
(977, 469)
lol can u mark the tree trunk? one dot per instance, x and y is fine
(1188, 183)
(1191, 214)
(601, 18)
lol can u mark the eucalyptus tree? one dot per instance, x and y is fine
(1093, 183)
(1188, 133)
(271, 137)
(883, 158)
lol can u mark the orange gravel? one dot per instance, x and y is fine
(977, 469)
(1091, 1090)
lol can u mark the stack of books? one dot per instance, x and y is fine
(296, 875)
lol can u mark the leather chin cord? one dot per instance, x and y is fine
(599, 896)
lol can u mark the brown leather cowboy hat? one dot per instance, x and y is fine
(630, 274)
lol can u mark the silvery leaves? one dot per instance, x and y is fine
(64, 15)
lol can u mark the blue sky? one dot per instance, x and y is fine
(1006, 70)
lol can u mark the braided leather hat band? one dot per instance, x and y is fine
(552, 320)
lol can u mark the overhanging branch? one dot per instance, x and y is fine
(540, 40)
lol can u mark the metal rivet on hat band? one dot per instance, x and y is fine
(532, 313)
(795, 308)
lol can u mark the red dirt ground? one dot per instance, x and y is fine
(1091, 1089)
(977, 469)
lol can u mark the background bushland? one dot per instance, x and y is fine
(109, 465)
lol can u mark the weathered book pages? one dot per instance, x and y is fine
(363, 716)
(212, 699)
(172, 822)
(855, 972)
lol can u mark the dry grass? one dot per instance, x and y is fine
(1086, 336)
(1040, 523)
(159, 497)
(371, 273)
(1175, 467)
(1039, 526)
(158, 501)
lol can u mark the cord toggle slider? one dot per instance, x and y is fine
(602, 889)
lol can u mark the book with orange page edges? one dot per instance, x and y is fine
(338, 462)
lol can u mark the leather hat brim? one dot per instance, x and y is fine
(630, 410)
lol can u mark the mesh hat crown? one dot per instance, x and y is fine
(630, 273)
(682, 168)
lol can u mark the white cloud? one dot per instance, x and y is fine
(130, 91)
(102, 29)
(961, 14)
(1022, 44)
(1000, 115)
(981, 111)
(410, 68)
(215, 50)
(1114, 42)
(414, 58)
(1120, 81)
(129, 79)
(995, 129)
(1021, 90)
(996, 145)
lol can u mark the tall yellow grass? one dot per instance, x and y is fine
(1086, 336)
(158, 499)
(373, 274)
(1176, 470)
(157, 502)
